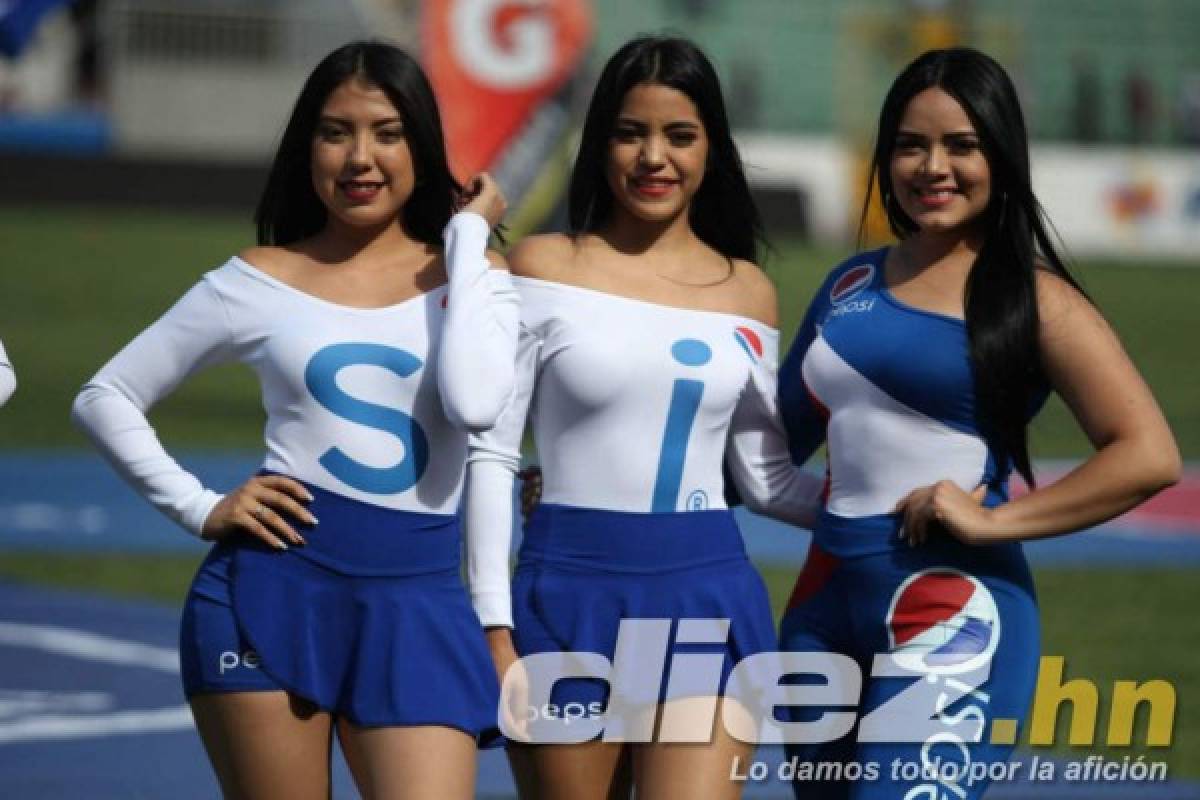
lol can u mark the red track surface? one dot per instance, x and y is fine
(1176, 510)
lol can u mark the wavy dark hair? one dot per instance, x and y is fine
(1001, 296)
(722, 213)
(290, 209)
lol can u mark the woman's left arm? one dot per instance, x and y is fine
(479, 334)
(1135, 453)
(757, 454)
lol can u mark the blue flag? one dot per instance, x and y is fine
(19, 21)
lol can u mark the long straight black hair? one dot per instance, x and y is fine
(1001, 294)
(290, 209)
(722, 212)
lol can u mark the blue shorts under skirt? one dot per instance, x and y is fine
(945, 610)
(582, 571)
(369, 621)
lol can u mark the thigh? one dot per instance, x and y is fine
(215, 657)
(818, 621)
(265, 744)
(589, 771)
(524, 771)
(693, 770)
(416, 762)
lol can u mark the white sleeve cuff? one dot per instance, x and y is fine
(489, 522)
(195, 512)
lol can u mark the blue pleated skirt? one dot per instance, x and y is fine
(582, 572)
(369, 620)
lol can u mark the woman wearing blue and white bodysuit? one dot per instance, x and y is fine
(332, 597)
(647, 352)
(920, 366)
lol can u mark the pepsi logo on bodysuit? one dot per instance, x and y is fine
(853, 281)
(749, 341)
(942, 621)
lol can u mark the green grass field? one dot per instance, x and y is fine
(77, 285)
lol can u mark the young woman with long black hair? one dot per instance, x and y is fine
(332, 597)
(920, 366)
(647, 353)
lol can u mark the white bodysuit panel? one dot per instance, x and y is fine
(351, 394)
(634, 406)
(8, 377)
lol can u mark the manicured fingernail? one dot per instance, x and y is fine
(312, 520)
(281, 545)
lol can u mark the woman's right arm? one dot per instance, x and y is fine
(492, 463)
(111, 408)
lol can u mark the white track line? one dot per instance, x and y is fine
(64, 726)
(89, 646)
(92, 647)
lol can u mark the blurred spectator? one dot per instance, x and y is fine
(745, 94)
(1189, 108)
(937, 24)
(1139, 106)
(1085, 100)
(89, 84)
(693, 10)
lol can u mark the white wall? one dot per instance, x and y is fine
(1122, 202)
(819, 166)
(42, 79)
(199, 101)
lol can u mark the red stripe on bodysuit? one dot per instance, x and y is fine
(931, 599)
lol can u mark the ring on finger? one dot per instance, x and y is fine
(259, 513)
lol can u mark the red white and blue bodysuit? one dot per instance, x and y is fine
(888, 388)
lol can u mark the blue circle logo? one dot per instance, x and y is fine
(691, 352)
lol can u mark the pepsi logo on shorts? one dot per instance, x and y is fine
(942, 621)
(853, 281)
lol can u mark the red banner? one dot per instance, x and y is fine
(493, 62)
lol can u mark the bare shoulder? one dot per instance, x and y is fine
(543, 256)
(497, 259)
(757, 296)
(275, 261)
(1060, 303)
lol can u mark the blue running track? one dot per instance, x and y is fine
(91, 707)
